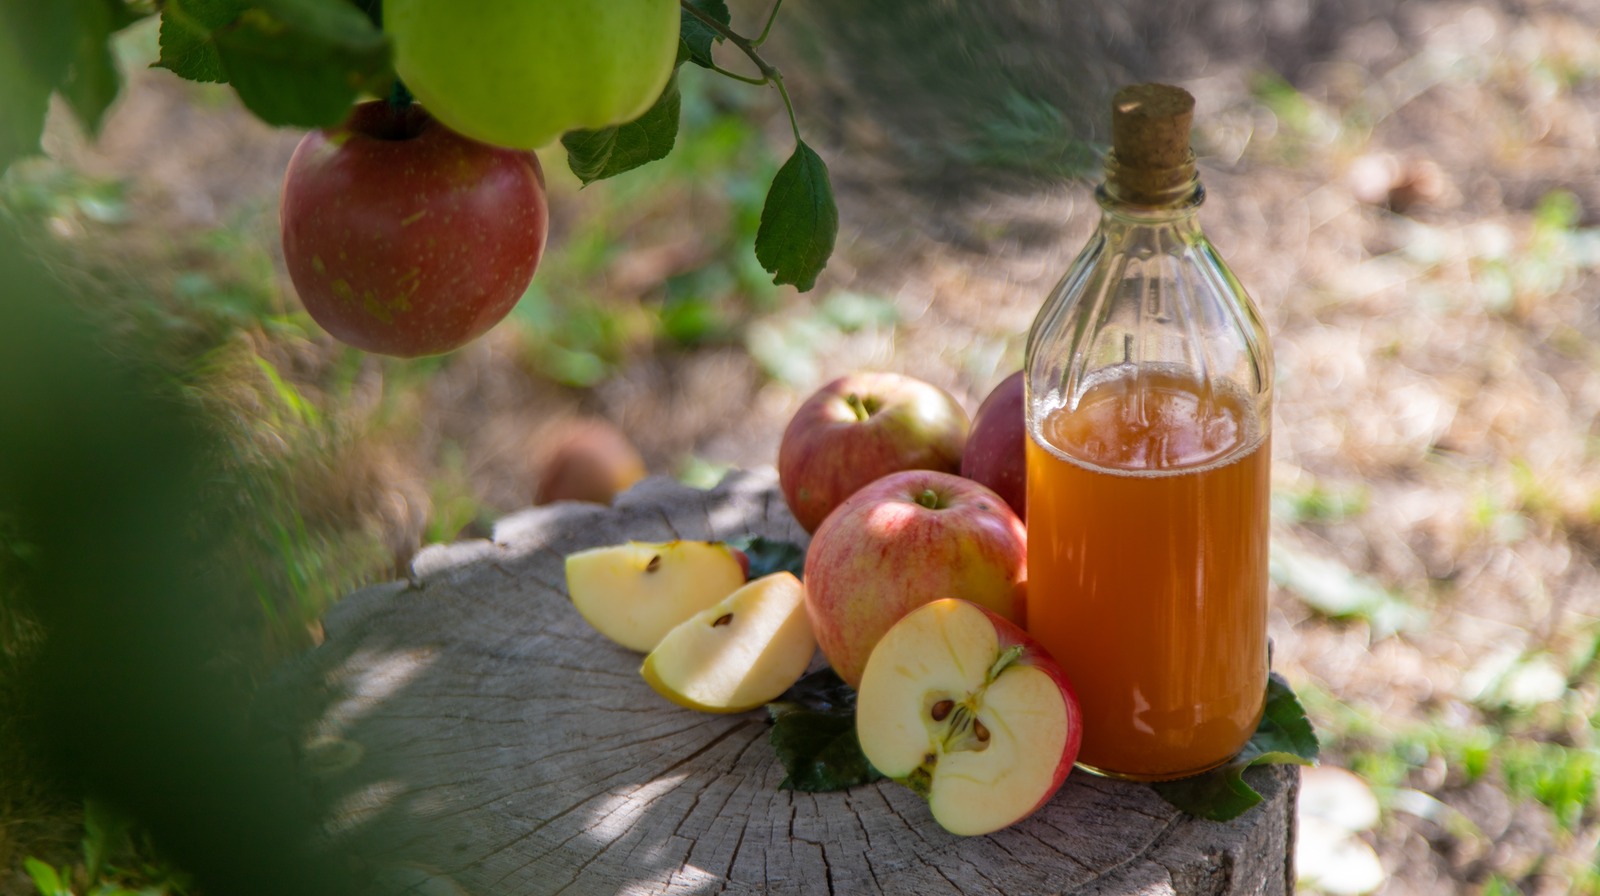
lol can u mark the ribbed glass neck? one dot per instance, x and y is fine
(1150, 192)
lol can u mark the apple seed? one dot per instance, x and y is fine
(724, 619)
(961, 731)
(654, 564)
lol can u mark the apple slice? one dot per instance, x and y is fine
(635, 593)
(741, 653)
(967, 710)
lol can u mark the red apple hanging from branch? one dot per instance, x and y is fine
(402, 237)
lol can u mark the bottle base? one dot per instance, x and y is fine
(1147, 778)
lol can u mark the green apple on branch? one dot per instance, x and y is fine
(522, 74)
(600, 74)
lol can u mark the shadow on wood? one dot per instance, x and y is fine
(475, 735)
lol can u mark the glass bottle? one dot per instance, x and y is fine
(1149, 400)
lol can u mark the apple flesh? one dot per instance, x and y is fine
(405, 238)
(860, 427)
(745, 651)
(635, 593)
(521, 73)
(996, 452)
(902, 541)
(964, 708)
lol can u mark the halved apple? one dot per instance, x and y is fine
(745, 651)
(964, 708)
(635, 593)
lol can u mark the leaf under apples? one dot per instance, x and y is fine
(817, 759)
(1284, 735)
(814, 736)
(768, 555)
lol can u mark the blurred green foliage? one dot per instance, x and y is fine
(579, 325)
(112, 480)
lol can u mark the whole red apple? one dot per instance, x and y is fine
(588, 460)
(967, 710)
(996, 453)
(405, 238)
(860, 427)
(900, 542)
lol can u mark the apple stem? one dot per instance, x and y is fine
(745, 46)
(400, 95)
(767, 29)
(858, 406)
(1007, 657)
(931, 499)
(769, 72)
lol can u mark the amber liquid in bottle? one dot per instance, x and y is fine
(1147, 517)
(1149, 409)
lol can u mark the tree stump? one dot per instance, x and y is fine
(474, 735)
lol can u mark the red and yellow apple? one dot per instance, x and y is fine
(905, 540)
(405, 238)
(635, 593)
(964, 708)
(587, 460)
(860, 427)
(745, 651)
(996, 452)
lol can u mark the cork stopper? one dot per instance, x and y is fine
(1151, 159)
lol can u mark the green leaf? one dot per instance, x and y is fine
(36, 51)
(105, 832)
(695, 37)
(814, 736)
(1284, 736)
(45, 878)
(799, 221)
(302, 63)
(597, 155)
(93, 80)
(186, 29)
(298, 63)
(820, 752)
(59, 46)
(821, 691)
(769, 555)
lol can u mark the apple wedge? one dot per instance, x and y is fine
(967, 710)
(741, 653)
(635, 593)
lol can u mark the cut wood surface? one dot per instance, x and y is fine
(474, 735)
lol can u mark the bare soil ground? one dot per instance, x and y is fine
(1417, 214)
